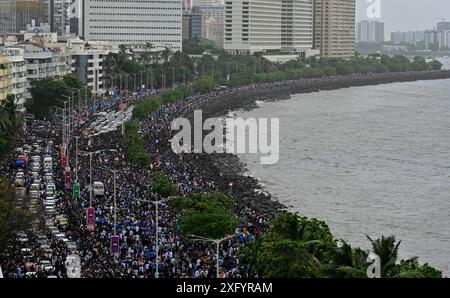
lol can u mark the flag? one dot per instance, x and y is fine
(115, 244)
(90, 218)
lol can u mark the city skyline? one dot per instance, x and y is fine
(421, 15)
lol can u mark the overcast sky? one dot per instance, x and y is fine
(405, 15)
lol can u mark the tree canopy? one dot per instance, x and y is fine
(296, 246)
(207, 215)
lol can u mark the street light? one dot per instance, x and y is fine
(217, 242)
(90, 168)
(115, 204)
(157, 227)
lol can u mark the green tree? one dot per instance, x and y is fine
(295, 246)
(11, 219)
(162, 185)
(134, 144)
(419, 64)
(10, 120)
(204, 85)
(207, 215)
(435, 65)
(47, 93)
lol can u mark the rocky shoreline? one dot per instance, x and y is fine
(229, 173)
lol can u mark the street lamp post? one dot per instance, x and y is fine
(215, 241)
(157, 202)
(90, 169)
(115, 196)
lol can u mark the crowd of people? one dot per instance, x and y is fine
(135, 221)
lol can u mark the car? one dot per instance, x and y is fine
(48, 161)
(98, 128)
(22, 239)
(34, 194)
(54, 230)
(20, 175)
(30, 274)
(71, 246)
(50, 203)
(20, 192)
(35, 186)
(47, 265)
(34, 174)
(98, 188)
(19, 182)
(50, 187)
(49, 209)
(60, 235)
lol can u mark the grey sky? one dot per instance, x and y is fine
(405, 15)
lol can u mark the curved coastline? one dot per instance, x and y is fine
(225, 169)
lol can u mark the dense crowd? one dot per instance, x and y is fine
(136, 222)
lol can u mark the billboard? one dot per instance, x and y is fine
(90, 219)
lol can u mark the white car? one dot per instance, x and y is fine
(98, 188)
(50, 203)
(48, 161)
(47, 265)
(49, 209)
(50, 187)
(34, 194)
(35, 186)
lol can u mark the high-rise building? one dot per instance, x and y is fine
(334, 27)
(7, 16)
(443, 26)
(214, 31)
(16, 14)
(408, 37)
(133, 21)
(193, 26)
(252, 26)
(213, 13)
(59, 16)
(370, 31)
(296, 25)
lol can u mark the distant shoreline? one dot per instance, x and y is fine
(224, 169)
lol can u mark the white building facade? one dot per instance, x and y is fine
(87, 64)
(42, 62)
(297, 25)
(252, 26)
(134, 21)
(18, 74)
(370, 31)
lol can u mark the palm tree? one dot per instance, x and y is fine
(166, 54)
(387, 249)
(10, 120)
(345, 262)
(147, 55)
